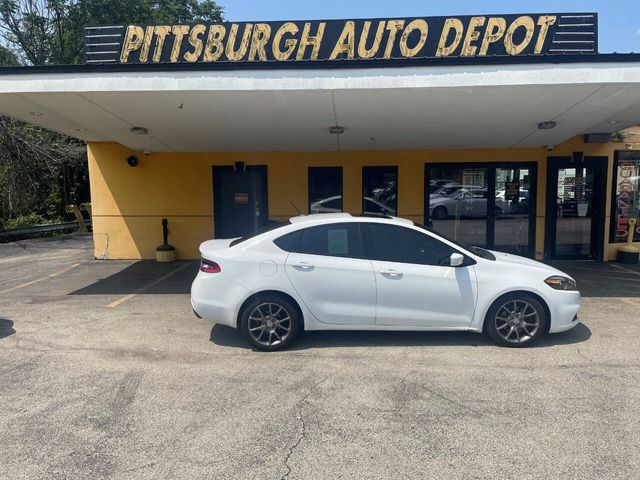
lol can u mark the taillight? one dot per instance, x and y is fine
(207, 266)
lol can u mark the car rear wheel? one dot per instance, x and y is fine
(270, 323)
(516, 320)
(440, 212)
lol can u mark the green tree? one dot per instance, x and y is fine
(50, 31)
(42, 171)
(8, 58)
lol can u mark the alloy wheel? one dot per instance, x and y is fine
(517, 321)
(269, 324)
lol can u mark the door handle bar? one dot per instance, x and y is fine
(391, 273)
(303, 265)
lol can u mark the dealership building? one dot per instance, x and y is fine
(505, 131)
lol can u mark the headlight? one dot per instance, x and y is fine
(561, 283)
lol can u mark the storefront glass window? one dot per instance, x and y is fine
(491, 205)
(325, 189)
(626, 201)
(457, 203)
(380, 190)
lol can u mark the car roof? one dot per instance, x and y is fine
(320, 218)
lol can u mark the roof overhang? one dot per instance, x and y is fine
(457, 106)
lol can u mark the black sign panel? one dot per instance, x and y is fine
(362, 42)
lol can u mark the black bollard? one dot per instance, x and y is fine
(165, 252)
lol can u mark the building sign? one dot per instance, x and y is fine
(241, 198)
(627, 195)
(512, 190)
(393, 40)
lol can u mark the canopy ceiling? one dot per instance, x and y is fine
(292, 110)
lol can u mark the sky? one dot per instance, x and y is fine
(618, 20)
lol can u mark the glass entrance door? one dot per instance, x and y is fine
(515, 214)
(457, 203)
(575, 204)
(487, 205)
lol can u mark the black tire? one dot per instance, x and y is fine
(276, 332)
(440, 213)
(509, 321)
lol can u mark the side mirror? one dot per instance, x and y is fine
(456, 259)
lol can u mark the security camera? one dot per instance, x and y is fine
(549, 148)
(133, 161)
(146, 152)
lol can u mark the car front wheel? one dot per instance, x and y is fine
(270, 323)
(516, 320)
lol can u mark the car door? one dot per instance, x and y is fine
(479, 203)
(328, 270)
(463, 204)
(415, 286)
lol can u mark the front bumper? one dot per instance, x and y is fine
(564, 307)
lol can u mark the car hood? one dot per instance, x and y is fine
(434, 200)
(508, 259)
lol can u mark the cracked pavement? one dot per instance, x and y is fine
(145, 390)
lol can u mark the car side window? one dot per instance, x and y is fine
(391, 243)
(334, 240)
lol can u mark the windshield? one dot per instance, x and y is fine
(480, 252)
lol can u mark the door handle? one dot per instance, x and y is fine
(302, 265)
(391, 272)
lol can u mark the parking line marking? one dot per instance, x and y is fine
(129, 296)
(33, 256)
(625, 269)
(41, 279)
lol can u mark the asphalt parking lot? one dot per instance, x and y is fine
(105, 373)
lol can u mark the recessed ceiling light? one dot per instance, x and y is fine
(548, 125)
(36, 114)
(336, 130)
(138, 130)
(81, 129)
(614, 122)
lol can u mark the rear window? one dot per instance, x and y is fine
(271, 226)
(334, 240)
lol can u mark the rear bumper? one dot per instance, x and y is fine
(217, 300)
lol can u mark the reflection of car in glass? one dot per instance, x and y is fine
(339, 272)
(327, 205)
(387, 193)
(436, 184)
(334, 205)
(447, 189)
(521, 205)
(463, 202)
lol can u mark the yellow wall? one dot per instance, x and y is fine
(129, 203)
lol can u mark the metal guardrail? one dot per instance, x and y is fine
(24, 233)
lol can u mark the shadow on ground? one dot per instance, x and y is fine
(595, 279)
(6, 328)
(599, 279)
(230, 337)
(140, 275)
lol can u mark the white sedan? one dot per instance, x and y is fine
(343, 272)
